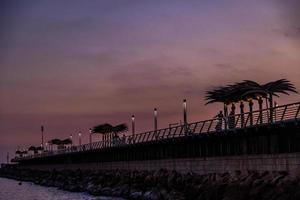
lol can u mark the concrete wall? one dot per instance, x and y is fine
(264, 162)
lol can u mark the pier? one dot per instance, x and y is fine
(255, 141)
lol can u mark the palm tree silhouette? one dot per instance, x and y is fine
(248, 90)
(33, 149)
(104, 129)
(60, 143)
(66, 141)
(109, 131)
(55, 141)
(274, 88)
(120, 128)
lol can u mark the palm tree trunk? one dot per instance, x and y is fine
(271, 107)
(225, 115)
(251, 112)
(242, 114)
(233, 108)
(260, 104)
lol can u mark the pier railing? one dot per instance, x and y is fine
(273, 115)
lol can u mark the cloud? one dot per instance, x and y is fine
(293, 33)
(73, 66)
(290, 11)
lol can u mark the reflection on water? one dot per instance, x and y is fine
(11, 190)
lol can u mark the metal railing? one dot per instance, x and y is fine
(239, 121)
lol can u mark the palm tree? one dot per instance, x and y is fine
(18, 152)
(103, 129)
(120, 128)
(248, 90)
(60, 143)
(281, 86)
(33, 149)
(66, 141)
(39, 148)
(55, 141)
(109, 131)
(221, 95)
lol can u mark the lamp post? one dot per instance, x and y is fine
(79, 138)
(155, 122)
(133, 124)
(71, 138)
(155, 119)
(185, 116)
(42, 130)
(132, 129)
(184, 112)
(91, 131)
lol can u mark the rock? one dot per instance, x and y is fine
(153, 194)
(277, 179)
(109, 198)
(136, 195)
(106, 191)
(236, 192)
(175, 195)
(164, 184)
(122, 190)
(95, 190)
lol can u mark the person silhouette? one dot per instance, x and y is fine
(219, 117)
(231, 120)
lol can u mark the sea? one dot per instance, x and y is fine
(15, 190)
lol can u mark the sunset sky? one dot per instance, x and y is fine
(70, 65)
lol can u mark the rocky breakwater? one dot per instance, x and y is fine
(165, 185)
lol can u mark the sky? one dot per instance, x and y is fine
(70, 65)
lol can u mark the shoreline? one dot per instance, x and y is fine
(164, 184)
(29, 191)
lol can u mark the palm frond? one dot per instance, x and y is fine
(103, 128)
(120, 128)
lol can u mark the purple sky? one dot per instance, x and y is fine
(70, 65)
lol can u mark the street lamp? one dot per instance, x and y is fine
(91, 132)
(185, 116)
(79, 138)
(71, 138)
(42, 130)
(46, 146)
(155, 119)
(184, 112)
(133, 124)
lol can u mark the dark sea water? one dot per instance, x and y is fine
(11, 190)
